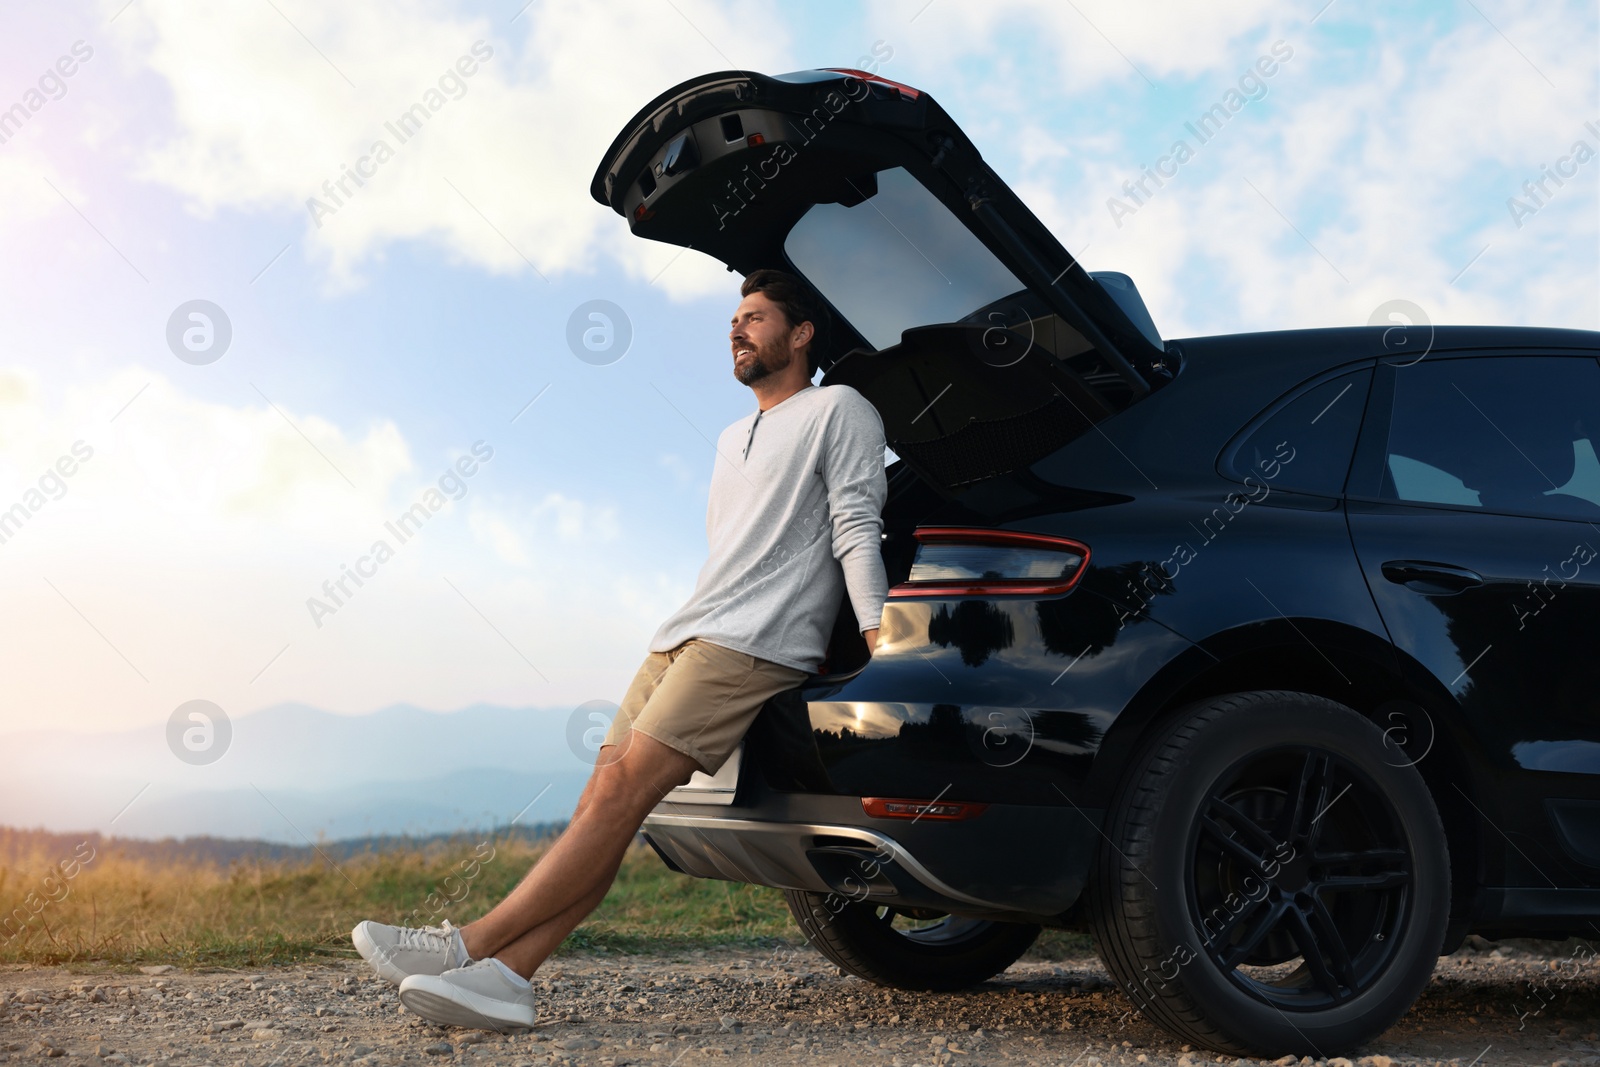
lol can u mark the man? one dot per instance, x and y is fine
(794, 521)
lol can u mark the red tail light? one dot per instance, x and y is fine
(958, 561)
(940, 810)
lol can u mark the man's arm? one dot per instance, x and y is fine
(852, 469)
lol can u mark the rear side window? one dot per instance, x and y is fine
(1504, 433)
(1304, 445)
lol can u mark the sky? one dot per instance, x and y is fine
(378, 339)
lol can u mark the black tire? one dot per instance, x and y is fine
(933, 951)
(1346, 919)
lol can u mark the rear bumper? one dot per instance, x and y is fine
(1013, 862)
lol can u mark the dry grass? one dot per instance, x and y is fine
(125, 910)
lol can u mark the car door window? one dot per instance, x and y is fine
(1416, 480)
(1510, 434)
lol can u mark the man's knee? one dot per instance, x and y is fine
(640, 766)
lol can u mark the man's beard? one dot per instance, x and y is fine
(764, 360)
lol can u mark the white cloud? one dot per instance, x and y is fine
(677, 467)
(498, 534)
(556, 522)
(261, 121)
(1091, 41)
(1383, 167)
(176, 560)
(164, 455)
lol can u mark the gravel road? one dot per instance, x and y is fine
(1485, 1007)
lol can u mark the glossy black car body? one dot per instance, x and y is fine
(1243, 533)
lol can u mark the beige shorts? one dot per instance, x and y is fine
(699, 698)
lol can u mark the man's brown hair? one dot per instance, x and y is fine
(798, 302)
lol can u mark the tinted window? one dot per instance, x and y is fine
(1509, 433)
(896, 260)
(1305, 444)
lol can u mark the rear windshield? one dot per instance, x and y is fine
(896, 260)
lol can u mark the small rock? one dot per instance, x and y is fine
(1375, 1061)
(441, 1049)
(265, 1034)
(1340, 1061)
(1286, 1061)
(576, 1044)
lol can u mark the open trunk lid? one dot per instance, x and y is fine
(980, 340)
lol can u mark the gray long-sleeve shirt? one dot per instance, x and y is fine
(794, 521)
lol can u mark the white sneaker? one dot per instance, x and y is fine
(483, 995)
(396, 952)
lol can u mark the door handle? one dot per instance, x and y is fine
(1431, 579)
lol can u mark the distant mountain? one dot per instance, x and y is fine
(19, 848)
(292, 773)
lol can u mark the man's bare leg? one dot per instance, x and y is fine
(527, 953)
(571, 879)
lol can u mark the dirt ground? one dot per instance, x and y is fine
(1485, 1008)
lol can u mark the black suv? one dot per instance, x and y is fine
(1273, 660)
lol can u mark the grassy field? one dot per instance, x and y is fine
(121, 910)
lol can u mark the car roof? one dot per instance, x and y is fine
(1308, 352)
(1174, 435)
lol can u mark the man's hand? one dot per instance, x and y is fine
(872, 640)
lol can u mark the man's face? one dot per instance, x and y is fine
(761, 339)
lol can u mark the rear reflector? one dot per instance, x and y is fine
(941, 810)
(959, 561)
